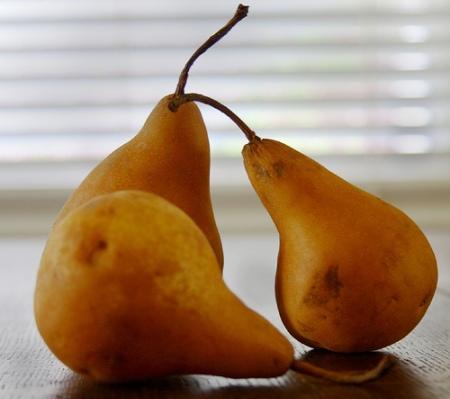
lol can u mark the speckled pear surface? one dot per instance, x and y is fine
(354, 272)
(169, 156)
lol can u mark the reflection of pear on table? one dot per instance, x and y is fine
(129, 288)
(354, 368)
(354, 273)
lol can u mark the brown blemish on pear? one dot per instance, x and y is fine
(325, 287)
(426, 299)
(261, 172)
(332, 281)
(278, 168)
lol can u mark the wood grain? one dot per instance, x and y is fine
(29, 370)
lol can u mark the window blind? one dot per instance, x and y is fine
(338, 78)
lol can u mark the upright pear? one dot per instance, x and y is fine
(170, 157)
(129, 288)
(354, 272)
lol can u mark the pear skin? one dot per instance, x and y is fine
(129, 288)
(169, 156)
(354, 272)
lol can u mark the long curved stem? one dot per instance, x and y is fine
(241, 13)
(185, 98)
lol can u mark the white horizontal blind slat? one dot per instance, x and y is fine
(246, 61)
(262, 32)
(266, 115)
(19, 10)
(261, 89)
(348, 77)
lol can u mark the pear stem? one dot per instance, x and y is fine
(241, 13)
(185, 98)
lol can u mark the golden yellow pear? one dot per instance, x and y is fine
(129, 288)
(354, 272)
(170, 157)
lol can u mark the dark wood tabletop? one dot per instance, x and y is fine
(29, 370)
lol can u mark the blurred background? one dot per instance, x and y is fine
(363, 86)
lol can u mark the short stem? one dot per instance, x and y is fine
(240, 14)
(185, 98)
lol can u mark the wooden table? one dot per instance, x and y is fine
(29, 370)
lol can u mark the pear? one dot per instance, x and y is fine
(169, 156)
(354, 273)
(129, 288)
